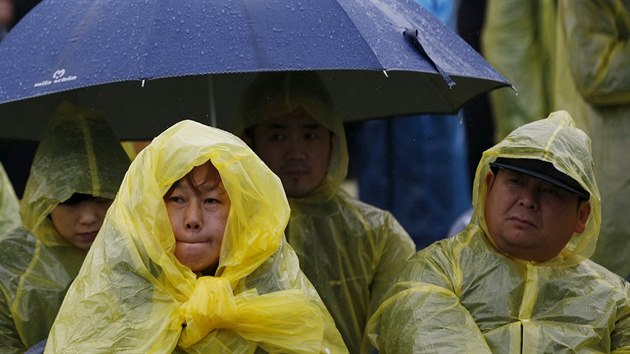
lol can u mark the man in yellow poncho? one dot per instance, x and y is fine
(593, 84)
(76, 171)
(518, 278)
(148, 286)
(9, 205)
(349, 250)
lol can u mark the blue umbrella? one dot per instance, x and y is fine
(148, 64)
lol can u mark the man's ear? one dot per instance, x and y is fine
(489, 180)
(583, 213)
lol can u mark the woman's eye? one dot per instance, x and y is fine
(175, 199)
(211, 201)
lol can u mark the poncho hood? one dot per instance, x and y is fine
(274, 94)
(79, 153)
(554, 139)
(136, 296)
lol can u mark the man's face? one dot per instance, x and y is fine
(529, 218)
(198, 216)
(79, 223)
(296, 148)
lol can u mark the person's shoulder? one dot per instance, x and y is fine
(16, 241)
(365, 209)
(442, 246)
(438, 257)
(17, 248)
(376, 218)
(605, 277)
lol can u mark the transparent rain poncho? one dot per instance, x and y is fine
(9, 204)
(518, 39)
(461, 295)
(593, 85)
(349, 250)
(78, 154)
(132, 294)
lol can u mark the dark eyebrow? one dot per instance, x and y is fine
(277, 126)
(313, 126)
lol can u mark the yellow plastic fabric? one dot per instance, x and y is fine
(132, 295)
(593, 78)
(9, 205)
(460, 295)
(349, 250)
(518, 39)
(78, 154)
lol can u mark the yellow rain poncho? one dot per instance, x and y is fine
(9, 205)
(460, 295)
(593, 85)
(518, 40)
(349, 250)
(132, 294)
(78, 154)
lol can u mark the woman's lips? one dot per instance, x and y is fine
(88, 236)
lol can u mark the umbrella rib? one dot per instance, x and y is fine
(412, 36)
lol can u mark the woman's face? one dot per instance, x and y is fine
(198, 208)
(78, 223)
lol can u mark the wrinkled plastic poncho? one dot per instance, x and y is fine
(78, 154)
(518, 40)
(132, 295)
(349, 250)
(9, 205)
(593, 78)
(461, 295)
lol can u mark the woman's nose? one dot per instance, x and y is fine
(89, 215)
(193, 217)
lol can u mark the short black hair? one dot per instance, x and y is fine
(77, 198)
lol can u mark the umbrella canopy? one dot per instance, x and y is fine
(148, 64)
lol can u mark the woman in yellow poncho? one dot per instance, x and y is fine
(9, 205)
(78, 166)
(137, 291)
